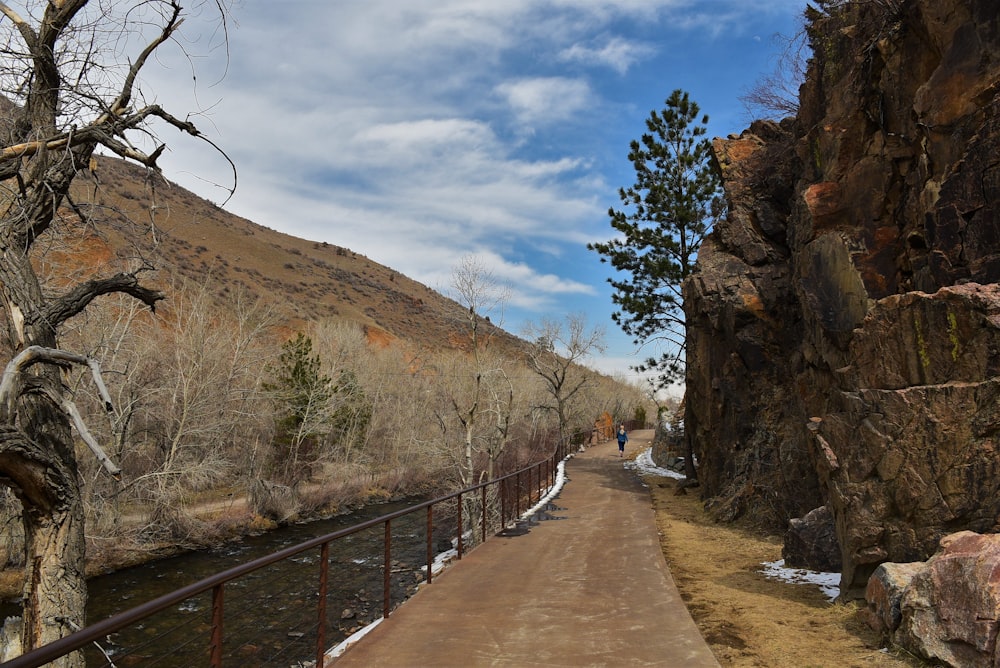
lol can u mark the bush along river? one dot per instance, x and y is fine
(270, 614)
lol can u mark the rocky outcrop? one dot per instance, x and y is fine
(947, 609)
(843, 322)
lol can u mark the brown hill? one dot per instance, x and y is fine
(183, 235)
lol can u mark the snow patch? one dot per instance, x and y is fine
(353, 638)
(643, 464)
(829, 583)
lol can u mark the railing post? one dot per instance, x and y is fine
(430, 541)
(387, 570)
(503, 503)
(459, 525)
(484, 512)
(517, 497)
(532, 487)
(324, 571)
(215, 649)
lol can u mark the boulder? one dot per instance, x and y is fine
(811, 542)
(884, 595)
(950, 612)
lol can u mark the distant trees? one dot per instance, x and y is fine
(315, 413)
(69, 89)
(556, 353)
(666, 214)
(186, 387)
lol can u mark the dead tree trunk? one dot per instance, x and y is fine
(57, 110)
(54, 537)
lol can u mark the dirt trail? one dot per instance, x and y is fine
(748, 620)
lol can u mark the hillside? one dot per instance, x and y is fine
(183, 235)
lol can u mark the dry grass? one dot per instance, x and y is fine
(748, 620)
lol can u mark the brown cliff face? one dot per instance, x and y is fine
(843, 324)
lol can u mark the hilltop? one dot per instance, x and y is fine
(188, 237)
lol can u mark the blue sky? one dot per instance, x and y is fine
(417, 132)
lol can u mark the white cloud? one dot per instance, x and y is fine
(545, 100)
(617, 53)
(418, 131)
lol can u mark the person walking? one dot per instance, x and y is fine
(622, 440)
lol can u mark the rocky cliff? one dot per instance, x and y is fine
(844, 320)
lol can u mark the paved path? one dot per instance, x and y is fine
(588, 587)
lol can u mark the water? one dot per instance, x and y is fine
(270, 614)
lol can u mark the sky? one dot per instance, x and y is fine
(422, 132)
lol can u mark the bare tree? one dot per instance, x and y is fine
(499, 409)
(199, 371)
(478, 291)
(776, 94)
(68, 92)
(556, 355)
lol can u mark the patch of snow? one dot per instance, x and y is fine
(643, 464)
(353, 638)
(553, 491)
(829, 583)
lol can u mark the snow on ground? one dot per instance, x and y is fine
(829, 583)
(444, 558)
(643, 464)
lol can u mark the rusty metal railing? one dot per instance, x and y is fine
(508, 493)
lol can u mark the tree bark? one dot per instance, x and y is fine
(55, 590)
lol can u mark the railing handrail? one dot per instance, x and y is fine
(79, 639)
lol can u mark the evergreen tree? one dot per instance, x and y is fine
(666, 214)
(304, 395)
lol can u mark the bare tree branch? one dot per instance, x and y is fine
(121, 104)
(37, 354)
(76, 300)
(70, 408)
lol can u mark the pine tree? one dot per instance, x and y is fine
(304, 394)
(666, 214)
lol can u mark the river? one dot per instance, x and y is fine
(271, 613)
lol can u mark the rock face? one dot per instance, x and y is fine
(947, 609)
(844, 322)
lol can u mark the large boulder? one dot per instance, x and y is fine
(843, 320)
(950, 611)
(911, 454)
(884, 595)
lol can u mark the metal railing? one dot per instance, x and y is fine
(501, 500)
